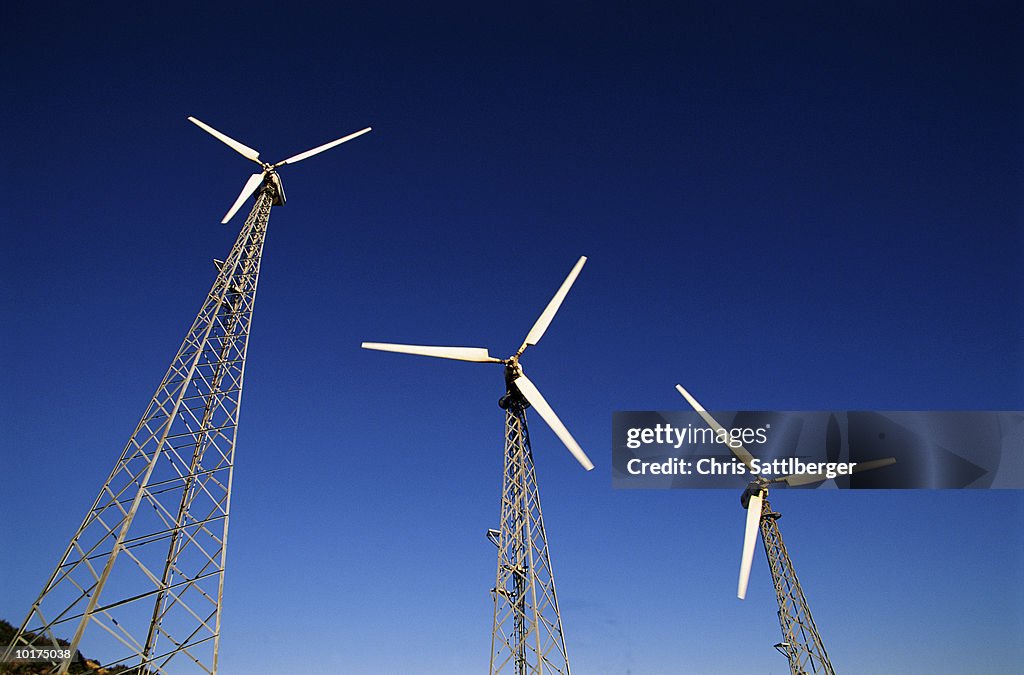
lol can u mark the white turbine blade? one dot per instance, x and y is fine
(533, 395)
(535, 334)
(749, 542)
(317, 150)
(740, 452)
(243, 150)
(474, 354)
(797, 479)
(249, 187)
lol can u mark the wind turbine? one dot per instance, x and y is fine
(801, 642)
(527, 634)
(269, 174)
(147, 564)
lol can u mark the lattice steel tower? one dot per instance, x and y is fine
(801, 643)
(527, 634)
(145, 569)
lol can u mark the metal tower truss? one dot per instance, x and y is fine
(145, 570)
(801, 643)
(527, 637)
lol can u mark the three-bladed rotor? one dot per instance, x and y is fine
(518, 385)
(757, 491)
(269, 170)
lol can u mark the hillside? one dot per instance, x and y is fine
(82, 666)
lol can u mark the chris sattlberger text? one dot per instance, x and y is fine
(712, 466)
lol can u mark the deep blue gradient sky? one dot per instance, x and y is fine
(795, 207)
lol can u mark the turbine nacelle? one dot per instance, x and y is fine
(272, 177)
(268, 175)
(512, 395)
(518, 388)
(756, 487)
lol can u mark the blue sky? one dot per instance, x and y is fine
(796, 207)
